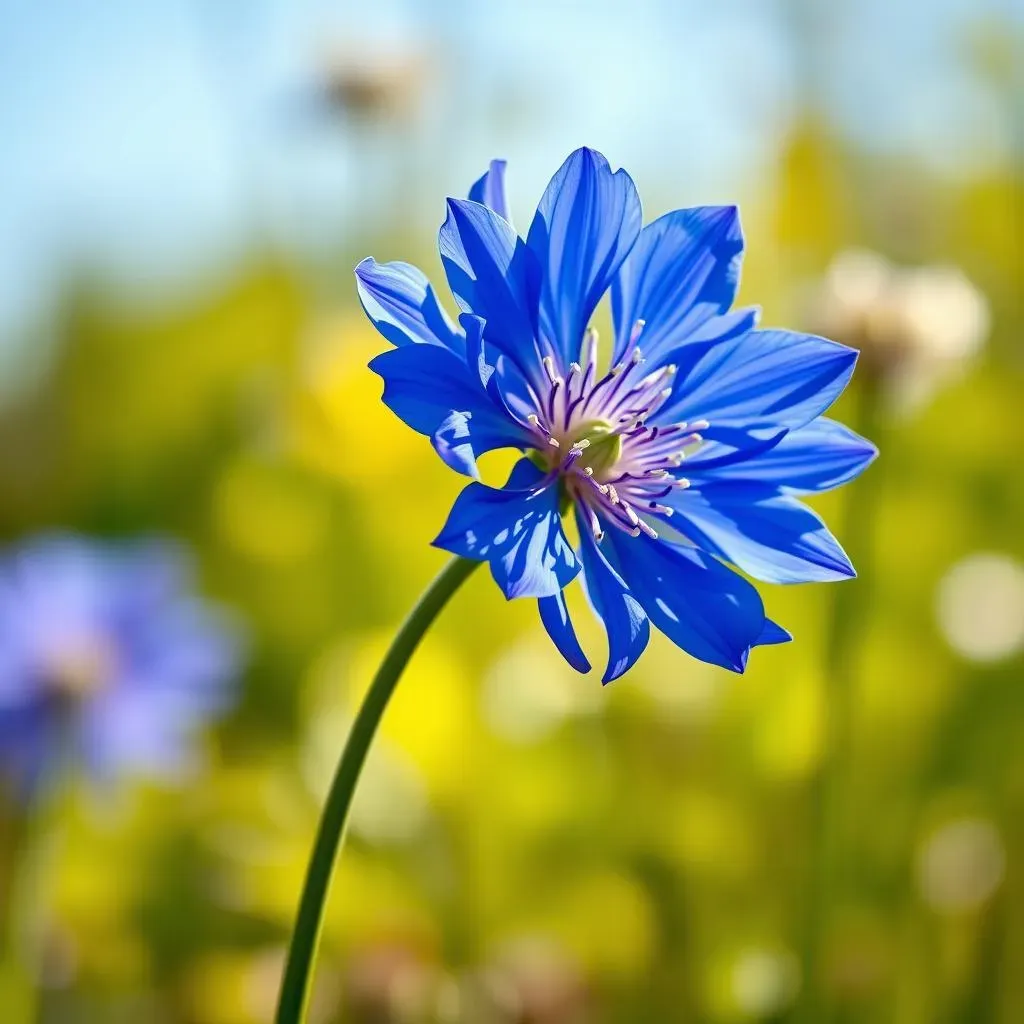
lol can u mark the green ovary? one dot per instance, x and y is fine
(604, 450)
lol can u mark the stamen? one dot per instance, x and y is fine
(647, 529)
(594, 522)
(663, 510)
(549, 368)
(535, 422)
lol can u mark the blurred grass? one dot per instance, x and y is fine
(651, 837)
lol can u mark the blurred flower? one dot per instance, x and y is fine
(527, 695)
(764, 981)
(533, 981)
(106, 658)
(392, 984)
(521, 371)
(981, 606)
(915, 326)
(961, 865)
(375, 84)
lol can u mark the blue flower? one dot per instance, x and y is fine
(685, 450)
(107, 659)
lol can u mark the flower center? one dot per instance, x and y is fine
(80, 667)
(603, 447)
(594, 434)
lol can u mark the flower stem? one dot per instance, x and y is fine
(295, 986)
(851, 602)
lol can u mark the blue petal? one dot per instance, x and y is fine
(586, 223)
(489, 189)
(435, 393)
(625, 621)
(683, 270)
(815, 458)
(763, 379)
(500, 377)
(401, 302)
(493, 275)
(554, 613)
(773, 633)
(727, 326)
(772, 537)
(517, 529)
(698, 603)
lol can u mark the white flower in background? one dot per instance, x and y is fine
(980, 607)
(528, 693)
(764, 981)
(961, 865)
(916, 327)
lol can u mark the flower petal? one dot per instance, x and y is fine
(493, 275)
(763, 379)
(683, 270)
(772, 537)
(499, 376)
(815, 458)
(699, 604)
(517, 529)
(625, 621)
(586, 223)
(489, 189)
(435, 393)
(401, 302)
(554, 613)
(773, 633)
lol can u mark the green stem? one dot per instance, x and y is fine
(850, 603)
(295, 986)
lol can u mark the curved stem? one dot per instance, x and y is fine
(295, 986)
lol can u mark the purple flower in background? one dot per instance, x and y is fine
(108, 660)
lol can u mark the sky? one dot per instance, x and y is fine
(154, 142)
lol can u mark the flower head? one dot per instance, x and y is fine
(106, 658)
(916, 327)
(682, 449)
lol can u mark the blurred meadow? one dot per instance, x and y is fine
(837, 835)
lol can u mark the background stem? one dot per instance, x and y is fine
(298, 969)
(851, 600)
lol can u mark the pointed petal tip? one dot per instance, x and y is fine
(364, 266)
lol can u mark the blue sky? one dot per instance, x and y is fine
(155, 140)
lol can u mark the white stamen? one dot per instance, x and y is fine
(549, 368)
(647, 529)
